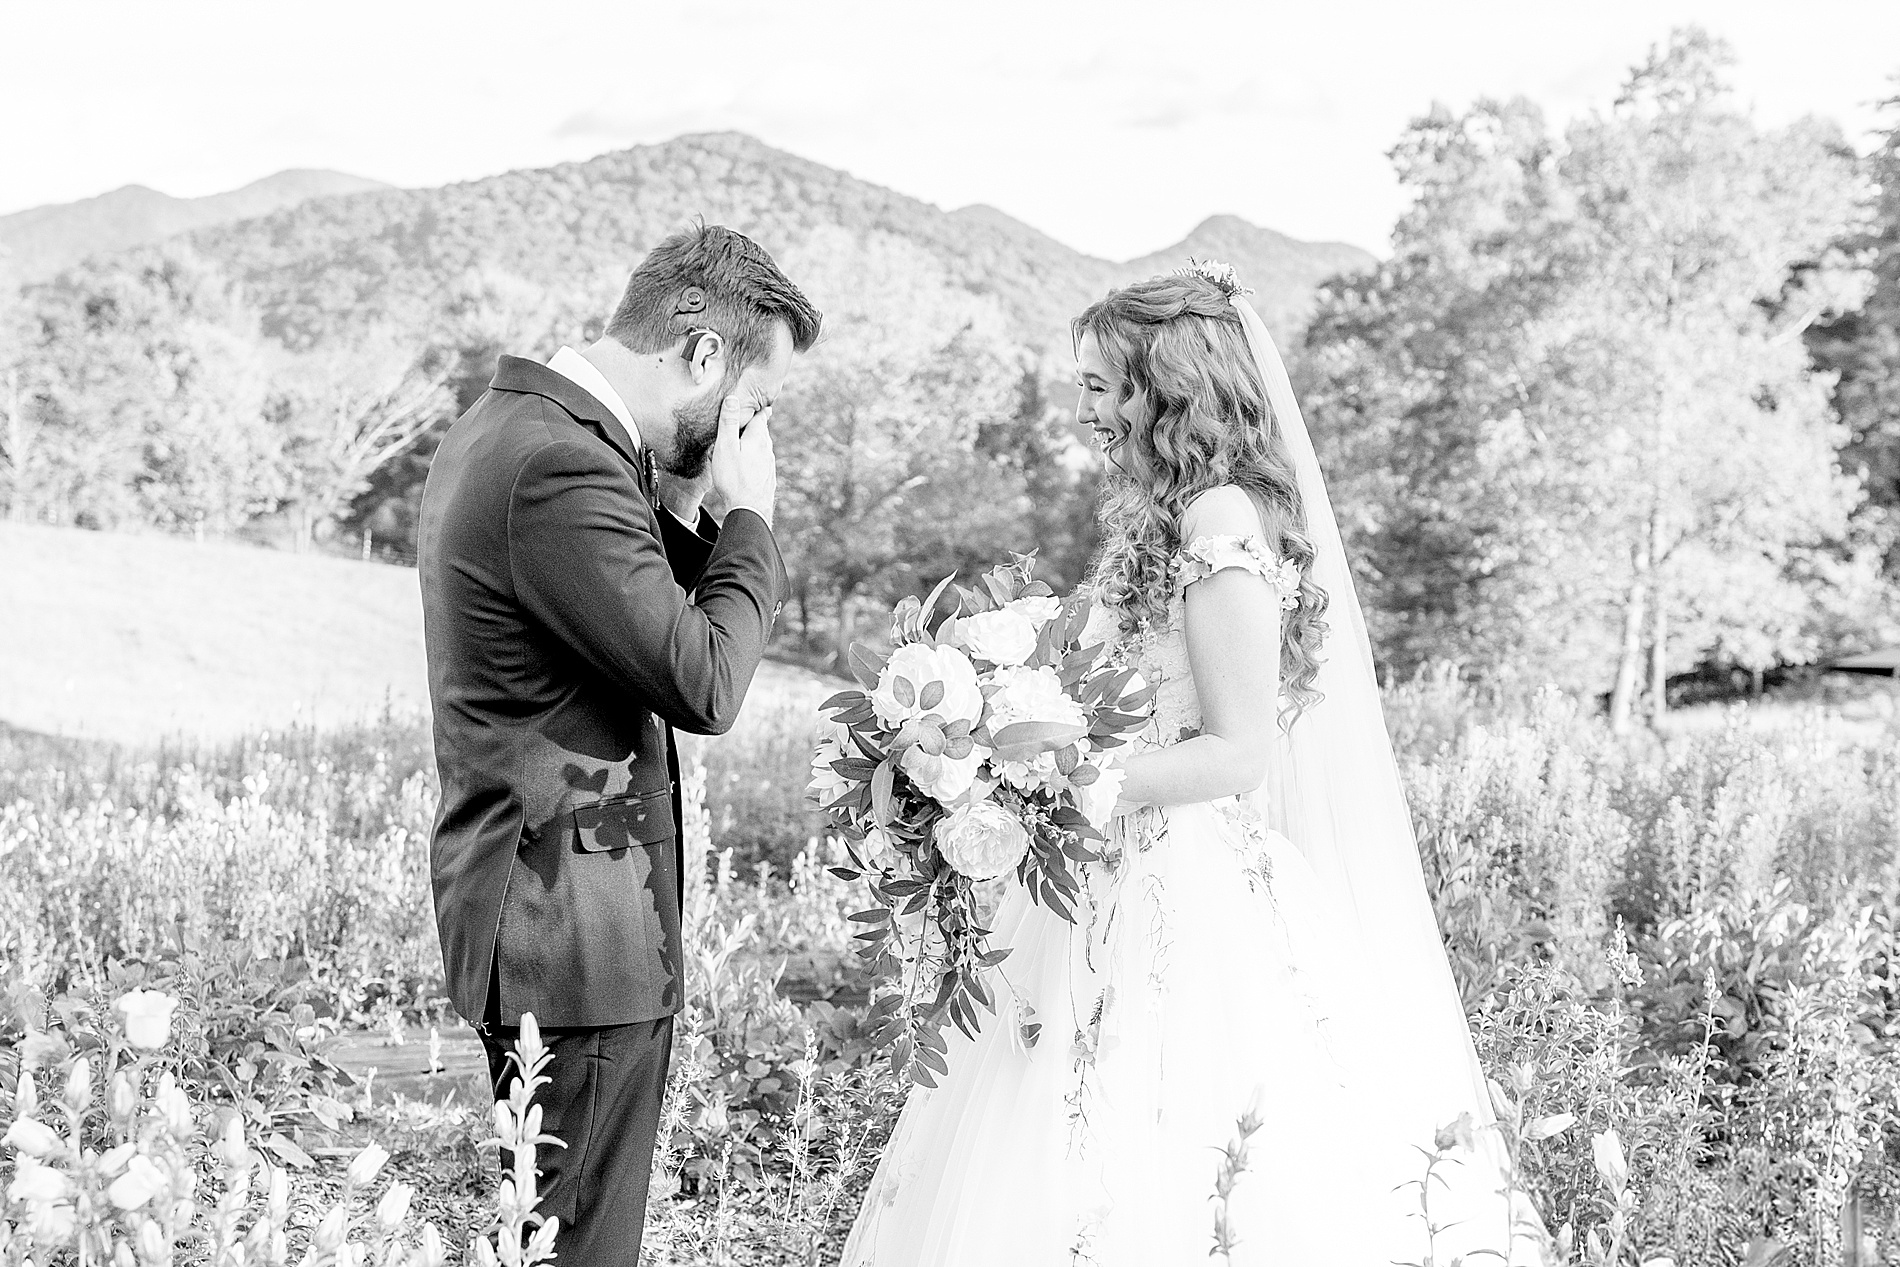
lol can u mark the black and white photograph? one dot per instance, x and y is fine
(985, 635)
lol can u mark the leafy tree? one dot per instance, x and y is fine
(903, 446)
(1455, 414)
(143, 386)
(345, 412)
(1571, 423)
(1859, 343)
(1696, 219)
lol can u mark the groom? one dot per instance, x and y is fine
(578, 604)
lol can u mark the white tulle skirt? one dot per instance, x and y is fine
(1194, 1070)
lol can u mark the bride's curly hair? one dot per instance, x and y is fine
(1179, 342)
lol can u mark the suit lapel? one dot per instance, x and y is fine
(518, 374)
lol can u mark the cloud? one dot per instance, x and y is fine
(590, 123)
(600, 124)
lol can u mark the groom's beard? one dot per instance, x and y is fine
(695, 428)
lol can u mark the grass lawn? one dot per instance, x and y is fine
(135, 639)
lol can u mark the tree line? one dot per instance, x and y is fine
(1623, 403)
(1625, 400)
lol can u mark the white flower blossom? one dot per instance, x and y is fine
(1040, 609)
(32, 1138)
(1024, 694)
(1005, 636)
(911, 675)
(982, 841)
(365, 1165)
(35, 1183)
(141, 1182)
(148, 1018)
(1097, 800)
(833, 744)
(942, 778)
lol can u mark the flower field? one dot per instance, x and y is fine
(1679, 956)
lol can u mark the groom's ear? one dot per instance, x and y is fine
(703, 353)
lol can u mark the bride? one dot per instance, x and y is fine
(1251, 1041)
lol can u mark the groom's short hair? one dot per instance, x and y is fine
(711, 278)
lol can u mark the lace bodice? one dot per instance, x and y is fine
(1161, 654)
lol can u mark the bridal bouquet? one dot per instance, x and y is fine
(984, 745)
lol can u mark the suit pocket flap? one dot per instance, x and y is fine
(615, 822)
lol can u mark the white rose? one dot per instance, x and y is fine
(1040, 610)
(942, 778)
(1097, 800)
(982, 841)
(148, 1018)
(912, 673)
(1005, 636)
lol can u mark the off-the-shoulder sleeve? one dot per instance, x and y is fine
(1204, 556)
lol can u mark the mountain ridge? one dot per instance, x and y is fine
(36, 243)
(327, 255)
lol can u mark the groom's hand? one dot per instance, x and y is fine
(744, 471)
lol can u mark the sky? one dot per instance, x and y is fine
(1115, 127)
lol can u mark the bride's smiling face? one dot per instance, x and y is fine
(1101, 407)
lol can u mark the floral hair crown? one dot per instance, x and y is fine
(1222, 275)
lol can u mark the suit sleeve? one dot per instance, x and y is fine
(688, 549)
(586, 559)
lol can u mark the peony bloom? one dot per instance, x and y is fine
(1005, 636)
(148, 1018)
(924, 681)
(982, 841)
(943, 779)
(1040, 610)
(1031, 695)
(1097, 800)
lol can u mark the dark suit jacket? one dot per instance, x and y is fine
(562, 645)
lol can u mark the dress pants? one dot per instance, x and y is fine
(604, 1102)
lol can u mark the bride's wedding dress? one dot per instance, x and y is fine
(1249, 1037)
(1193, 1010)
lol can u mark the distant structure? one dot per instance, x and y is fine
(1882, 663)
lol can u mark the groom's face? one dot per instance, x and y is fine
(752, 390)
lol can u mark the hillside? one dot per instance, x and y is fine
(1282, 271)
(552, 246)
(135, 639)
(37, 243)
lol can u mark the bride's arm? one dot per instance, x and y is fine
(1233, 644)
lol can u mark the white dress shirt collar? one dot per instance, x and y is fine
(582, 372)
